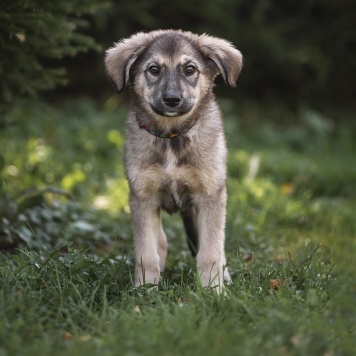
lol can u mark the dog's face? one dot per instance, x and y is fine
(171, 76)
(171, 71)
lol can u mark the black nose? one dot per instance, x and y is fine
(172, 100)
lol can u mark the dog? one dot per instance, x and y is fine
(175, 149)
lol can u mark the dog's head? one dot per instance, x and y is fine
(171, 71)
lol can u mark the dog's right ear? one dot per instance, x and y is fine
(119, 59)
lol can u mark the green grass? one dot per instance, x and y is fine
(66, 266)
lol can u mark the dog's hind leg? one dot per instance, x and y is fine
(189, 217)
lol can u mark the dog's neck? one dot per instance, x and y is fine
(170, 134)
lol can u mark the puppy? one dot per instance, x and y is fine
(175, 150)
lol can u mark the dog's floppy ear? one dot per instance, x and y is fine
(119, 59)
(226, 57)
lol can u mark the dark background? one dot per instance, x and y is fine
(297, 53)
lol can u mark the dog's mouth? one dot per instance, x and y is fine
(171, 112)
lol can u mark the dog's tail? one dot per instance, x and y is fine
(189, 217)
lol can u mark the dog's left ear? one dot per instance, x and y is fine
(226, 57)
(120, 58)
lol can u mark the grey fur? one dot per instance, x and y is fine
(171, 75)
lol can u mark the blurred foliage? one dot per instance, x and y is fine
(74, 147)
(34, 36)
(47, 164)
(42, 223)
(278, 176)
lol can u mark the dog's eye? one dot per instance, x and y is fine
(154, 70)
(189, 70)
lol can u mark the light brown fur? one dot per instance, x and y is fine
(186, 173)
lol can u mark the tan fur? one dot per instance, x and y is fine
(188, 172)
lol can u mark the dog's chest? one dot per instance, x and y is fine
(171, 161)
(175, 174)
(177, 185)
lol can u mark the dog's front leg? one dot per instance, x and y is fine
(147, 229)
(211, 256)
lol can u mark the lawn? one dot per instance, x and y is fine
(66, 263)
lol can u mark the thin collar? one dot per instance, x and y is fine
(171, 134)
